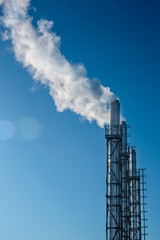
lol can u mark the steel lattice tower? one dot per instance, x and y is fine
(125, 190)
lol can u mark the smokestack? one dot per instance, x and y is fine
(115, 113)
(113, 188)
(125, 184)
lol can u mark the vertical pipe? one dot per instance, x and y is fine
(124, 137)
(124, 174)
(133, 196)
(114, 173)
(133, 166)
(115, 115)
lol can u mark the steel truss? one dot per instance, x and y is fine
(125, 192)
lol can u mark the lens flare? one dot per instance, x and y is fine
(7, 130)
(29, 128)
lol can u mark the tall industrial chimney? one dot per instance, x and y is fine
(125, 196)
(115, 113)
(113, 185)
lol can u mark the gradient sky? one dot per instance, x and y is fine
(52, 187)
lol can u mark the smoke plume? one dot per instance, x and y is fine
(38, 49)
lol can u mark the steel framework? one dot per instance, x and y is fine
(125, 184)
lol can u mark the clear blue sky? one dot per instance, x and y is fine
(53, 187)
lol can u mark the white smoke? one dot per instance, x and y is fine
(38, 49)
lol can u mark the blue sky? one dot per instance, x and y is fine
(53, 186)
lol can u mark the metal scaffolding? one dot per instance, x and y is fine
(125, 184)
